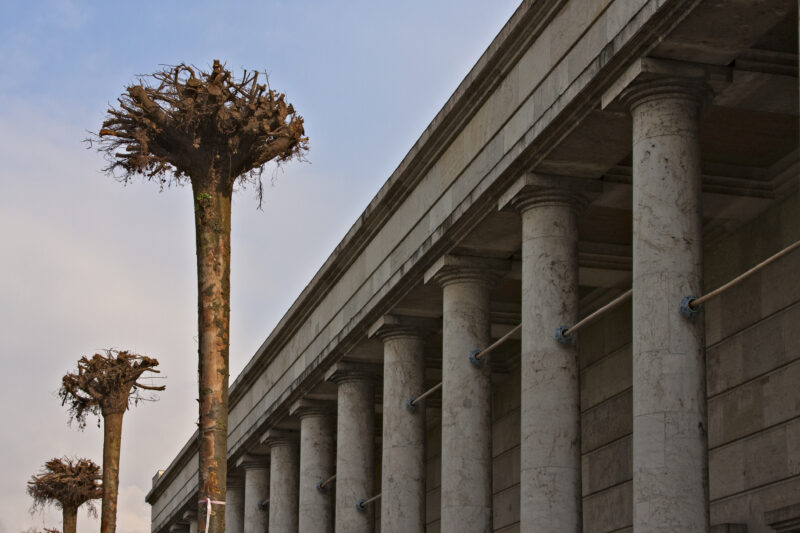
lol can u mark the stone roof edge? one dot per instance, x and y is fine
(448, 122)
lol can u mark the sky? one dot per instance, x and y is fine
(88, 263)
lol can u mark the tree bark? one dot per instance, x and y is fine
(213, 233)
(69, 519)
(112, 440)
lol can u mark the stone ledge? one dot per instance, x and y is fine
(786, 519)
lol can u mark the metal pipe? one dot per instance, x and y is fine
(425, 394)
(697, 302)
(361, 505)
(483, 353)
(564, 332)
(321, 485)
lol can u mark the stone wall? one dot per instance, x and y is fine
(607, 422)
(753, 357)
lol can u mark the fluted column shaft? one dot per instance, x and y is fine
(355, 446)
(316, 464)
(670, 454)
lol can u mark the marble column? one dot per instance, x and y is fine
(466, 486)
(234, 506)
(670, 452)
(550, 425)
(355, 445)
(315, 507)
(256, 489)
(403, 461)
(284, 460)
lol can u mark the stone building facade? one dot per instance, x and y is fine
(595, 147)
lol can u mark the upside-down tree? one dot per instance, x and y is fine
(106, 385)
(67, 484)
(180, 125)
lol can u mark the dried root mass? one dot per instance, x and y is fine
(183, 122)
(66, 483)
(106, 383)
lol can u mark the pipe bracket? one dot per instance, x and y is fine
(561, 335)
(686, 307)
(474, 360)
(411, 406)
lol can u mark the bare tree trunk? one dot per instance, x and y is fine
(69, 519)
(112, 441)
(213, 233)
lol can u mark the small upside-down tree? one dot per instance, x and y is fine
(67, 484)
(214, 131)
(106, 385)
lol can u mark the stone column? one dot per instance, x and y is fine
(316, 464)
(234, 506)
(670, 452)
(256, 489)
(403, 461)
(284, 460)
(191, 517)
(550, 425)
(466, 485)
(355, 445)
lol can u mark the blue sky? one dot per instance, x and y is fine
(89, 264)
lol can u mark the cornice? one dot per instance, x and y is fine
(524, 27)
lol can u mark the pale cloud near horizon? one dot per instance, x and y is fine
(89, 264)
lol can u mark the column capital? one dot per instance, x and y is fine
(451, 268)
(189, 515)
(392, 326)
(648, 79)
(235, 481)
(279, 437)
(304, 408)
(249, 460)
(533, 190)
(344, 372)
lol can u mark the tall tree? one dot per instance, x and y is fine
(106, 385)
(67, 484)
(208, 128)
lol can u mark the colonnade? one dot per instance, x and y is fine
(669, 414)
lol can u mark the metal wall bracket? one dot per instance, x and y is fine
(561, 337)
(474, 360)
(411, 406)
(686, 307)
